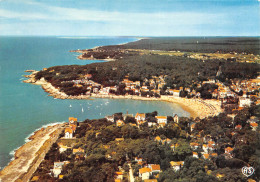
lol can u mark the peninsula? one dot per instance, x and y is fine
(204, 83)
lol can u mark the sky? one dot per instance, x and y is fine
(130, 17)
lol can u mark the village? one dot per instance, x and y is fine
(200, 145)
(235, 96)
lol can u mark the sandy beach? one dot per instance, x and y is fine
(196, 107)
(29, 156)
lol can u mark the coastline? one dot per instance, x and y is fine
(97, 47)
(196, 107)
(29, 156)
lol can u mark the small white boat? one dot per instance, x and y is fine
(82, 109)
(70, 105)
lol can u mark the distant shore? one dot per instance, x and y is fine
(29, 156)
(196, 107)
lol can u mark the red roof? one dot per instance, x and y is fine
(68, 130)
(228, 149)
(254, 124)
(155, 167)
(144, 170)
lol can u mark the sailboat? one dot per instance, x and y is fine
(82, 109)
(70, 105)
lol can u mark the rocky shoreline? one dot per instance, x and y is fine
(29, 156)
(196, 107)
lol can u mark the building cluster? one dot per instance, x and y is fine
(153, 85)
(208, 145)
(71, 128)
(140, 118)
(238, 94)
(79, 153)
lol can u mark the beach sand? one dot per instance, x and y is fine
(196, 107)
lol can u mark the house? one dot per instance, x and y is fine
(238, 127)
(57, 168)
(118, 140)
(79, 150)
(167, 140)
(155, 168)
(150, 180)
(73, 127)
(176, 118)
(120, 123)
(119, 175)
(62, 148)
(139, 122)
(175, 93)
(68, 133)
(195, 154)
(244, 102)
(213, 154)
(118, 180)
(228, 150)
(139, 161)
(140, 116)
(110, 118)
(174, 146)
(161, 119)
(194, 145)
(176, 165)
(88, 76)
(254, 126)
(211, 143)
(158, 139)
(205, 148)
(144, 173)
(205, 156)
(73, 120)
(192, 126)
(220, 175)
(150, 124)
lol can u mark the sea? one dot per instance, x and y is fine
(24, 107)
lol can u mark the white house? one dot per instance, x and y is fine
(68, 133)
(140, 116)
(176, 165)
(176, 118)
(161, 119)
(175, 93)
(195, 154)
(244, 102)
(57, 168)
(144, 173)
(205, 148)
(151, 124)
(110, 118)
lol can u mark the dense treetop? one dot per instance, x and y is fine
(196, 44)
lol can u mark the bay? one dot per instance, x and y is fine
(26, 107)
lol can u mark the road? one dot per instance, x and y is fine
(132, 179)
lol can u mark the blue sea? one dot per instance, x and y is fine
(26, 107)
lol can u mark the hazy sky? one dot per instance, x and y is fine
(130, 17)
